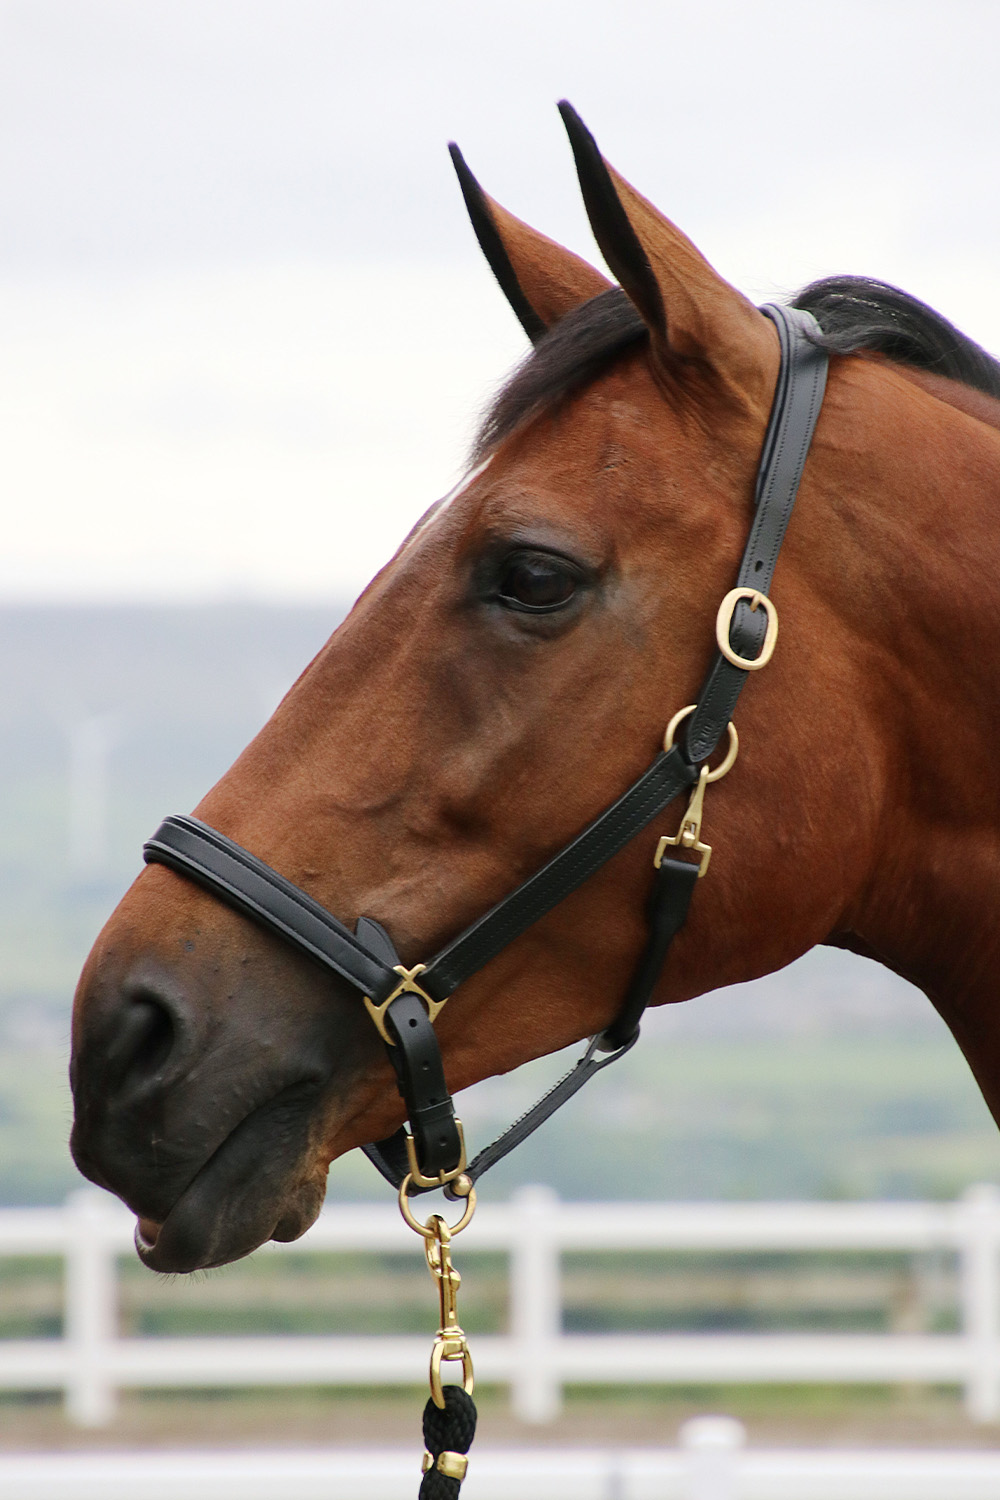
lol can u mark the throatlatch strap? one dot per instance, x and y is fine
(389, 1156)
(673, 887)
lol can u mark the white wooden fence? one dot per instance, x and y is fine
(90, 1362)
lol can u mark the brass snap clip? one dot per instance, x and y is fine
(450, 1343)
(688, 835)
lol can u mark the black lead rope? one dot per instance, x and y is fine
(404, 1002)
(448, 1435)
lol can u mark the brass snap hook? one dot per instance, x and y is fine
(450, 1343)
(688, 835)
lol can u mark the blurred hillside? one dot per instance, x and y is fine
(832, 1078)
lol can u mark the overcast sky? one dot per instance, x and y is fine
(244, 327)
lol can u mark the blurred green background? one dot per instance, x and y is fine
(832, 1079)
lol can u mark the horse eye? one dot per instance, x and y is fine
(537, 581)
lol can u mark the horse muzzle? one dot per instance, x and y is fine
(201, 1103)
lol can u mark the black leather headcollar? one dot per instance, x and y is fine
(401, 1000)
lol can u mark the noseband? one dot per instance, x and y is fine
(404, 1003)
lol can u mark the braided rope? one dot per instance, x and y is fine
(448, 1431)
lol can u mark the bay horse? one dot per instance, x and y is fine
(511, 670)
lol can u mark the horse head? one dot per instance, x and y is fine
(506, 675)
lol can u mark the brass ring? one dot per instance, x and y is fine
(724, 620)
(427, 1230)
(731, 753)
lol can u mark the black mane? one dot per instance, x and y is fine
(854, 313)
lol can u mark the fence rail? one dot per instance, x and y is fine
(90, 1363)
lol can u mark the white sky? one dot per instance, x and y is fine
(244, 326)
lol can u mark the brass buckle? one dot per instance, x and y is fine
(442, 1178)
(407, 986)
(688, 835)
(724, 620)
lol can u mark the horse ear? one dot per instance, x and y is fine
(540, 279)
(692, 313)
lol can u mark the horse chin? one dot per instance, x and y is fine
(243, 1196)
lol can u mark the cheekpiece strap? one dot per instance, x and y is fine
(795, 410)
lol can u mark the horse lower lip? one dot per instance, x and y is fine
(184, 1243)
(250, 1185)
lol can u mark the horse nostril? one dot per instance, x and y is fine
(148, 1038)
(156, 1038)
(153, 1037)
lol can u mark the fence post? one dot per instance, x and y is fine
(535, 1305)
(711, 1450)
(90, 1309)
(980, 1300)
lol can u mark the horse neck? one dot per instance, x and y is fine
(928, 534)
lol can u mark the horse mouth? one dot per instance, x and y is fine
(147, 1232)
(261, 1183)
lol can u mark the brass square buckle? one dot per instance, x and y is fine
(442, 1178)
